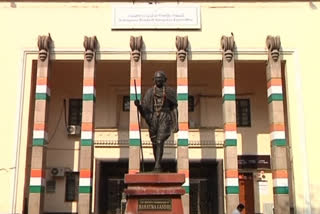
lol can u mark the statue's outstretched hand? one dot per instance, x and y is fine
(137, 103)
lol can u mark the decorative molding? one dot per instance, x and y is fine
(227, 46)
(44, 43)
(90, 45)
(182, 47)
(136, 45)
(273, 44)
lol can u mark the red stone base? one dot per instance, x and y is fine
(154, 193)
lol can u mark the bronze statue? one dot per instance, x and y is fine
(159, 109)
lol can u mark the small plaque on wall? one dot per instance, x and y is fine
(155, 204)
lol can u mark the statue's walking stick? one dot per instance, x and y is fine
(138, 116)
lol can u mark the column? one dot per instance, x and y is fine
(230, 123)
(40, 134)
(183, 134)
(277, 128)
(87, 126)
(135, 76)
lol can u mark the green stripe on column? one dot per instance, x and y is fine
(275, 97)
(36, 189)
(133, 97)
(182, 97)
(86, 142)
(279, 142)
(232, 189)
(84, 189)
(38, 142)
(229, 97)
(280, 190)
(89, 97)
(42, 96)
(183, 142)
(134, 142)
(230, 142)
(186, 188)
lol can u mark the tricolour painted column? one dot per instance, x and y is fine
(277, 128)
(135, 76)
(183, 134)
(40, 135)
(230, 124)
(87, 126)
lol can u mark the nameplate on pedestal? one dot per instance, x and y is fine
(155, 204)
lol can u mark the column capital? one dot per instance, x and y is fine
(90, 46)
(44, 45)
(136, 45)
(227, 46)
(273, 44)
(182, 47)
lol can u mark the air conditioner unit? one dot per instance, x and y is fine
(57, 171)
(73, 130)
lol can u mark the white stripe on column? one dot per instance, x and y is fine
(89, 90)
(230, 135)
(132, 90)
(277, 135)
(280, 182)
(134, 135)
(43, 89)
(40, 134)
(186, 182)
(232, 182)
(274, 90)
(37, 181)
(228, 90)
(183, 135)
(86, 134)
(85, 182)
(182, 89)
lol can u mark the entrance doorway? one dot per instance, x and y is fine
(246, 195)
(206, 187)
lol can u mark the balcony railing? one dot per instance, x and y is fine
(197, 138)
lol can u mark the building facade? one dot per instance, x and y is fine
(244, 74)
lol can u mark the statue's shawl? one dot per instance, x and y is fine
(147, 102)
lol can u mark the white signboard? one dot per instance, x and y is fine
(156, 16)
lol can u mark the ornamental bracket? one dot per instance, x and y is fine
(136, 45)
(227, 46)
(273, 44)
(44, 44)
(182, 47)
(90, 46)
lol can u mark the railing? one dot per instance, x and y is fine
(169, 143)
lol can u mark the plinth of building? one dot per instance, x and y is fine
(156, 193)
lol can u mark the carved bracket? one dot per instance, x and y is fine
(182, 47)
(90, 46)
(44, 43)
(273, 44)
(227, 46)
(136, 45)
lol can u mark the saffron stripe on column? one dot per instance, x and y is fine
(85, 181)
(133, 171)
(39, 126)
(37, 181)
(134, 135)
(86, 126)
(232, 182)
(280, 173)
(182, 81)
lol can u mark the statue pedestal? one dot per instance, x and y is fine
(154, 193)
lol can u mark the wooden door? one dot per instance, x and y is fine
(246, 195)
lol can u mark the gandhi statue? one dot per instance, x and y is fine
(159, 109)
